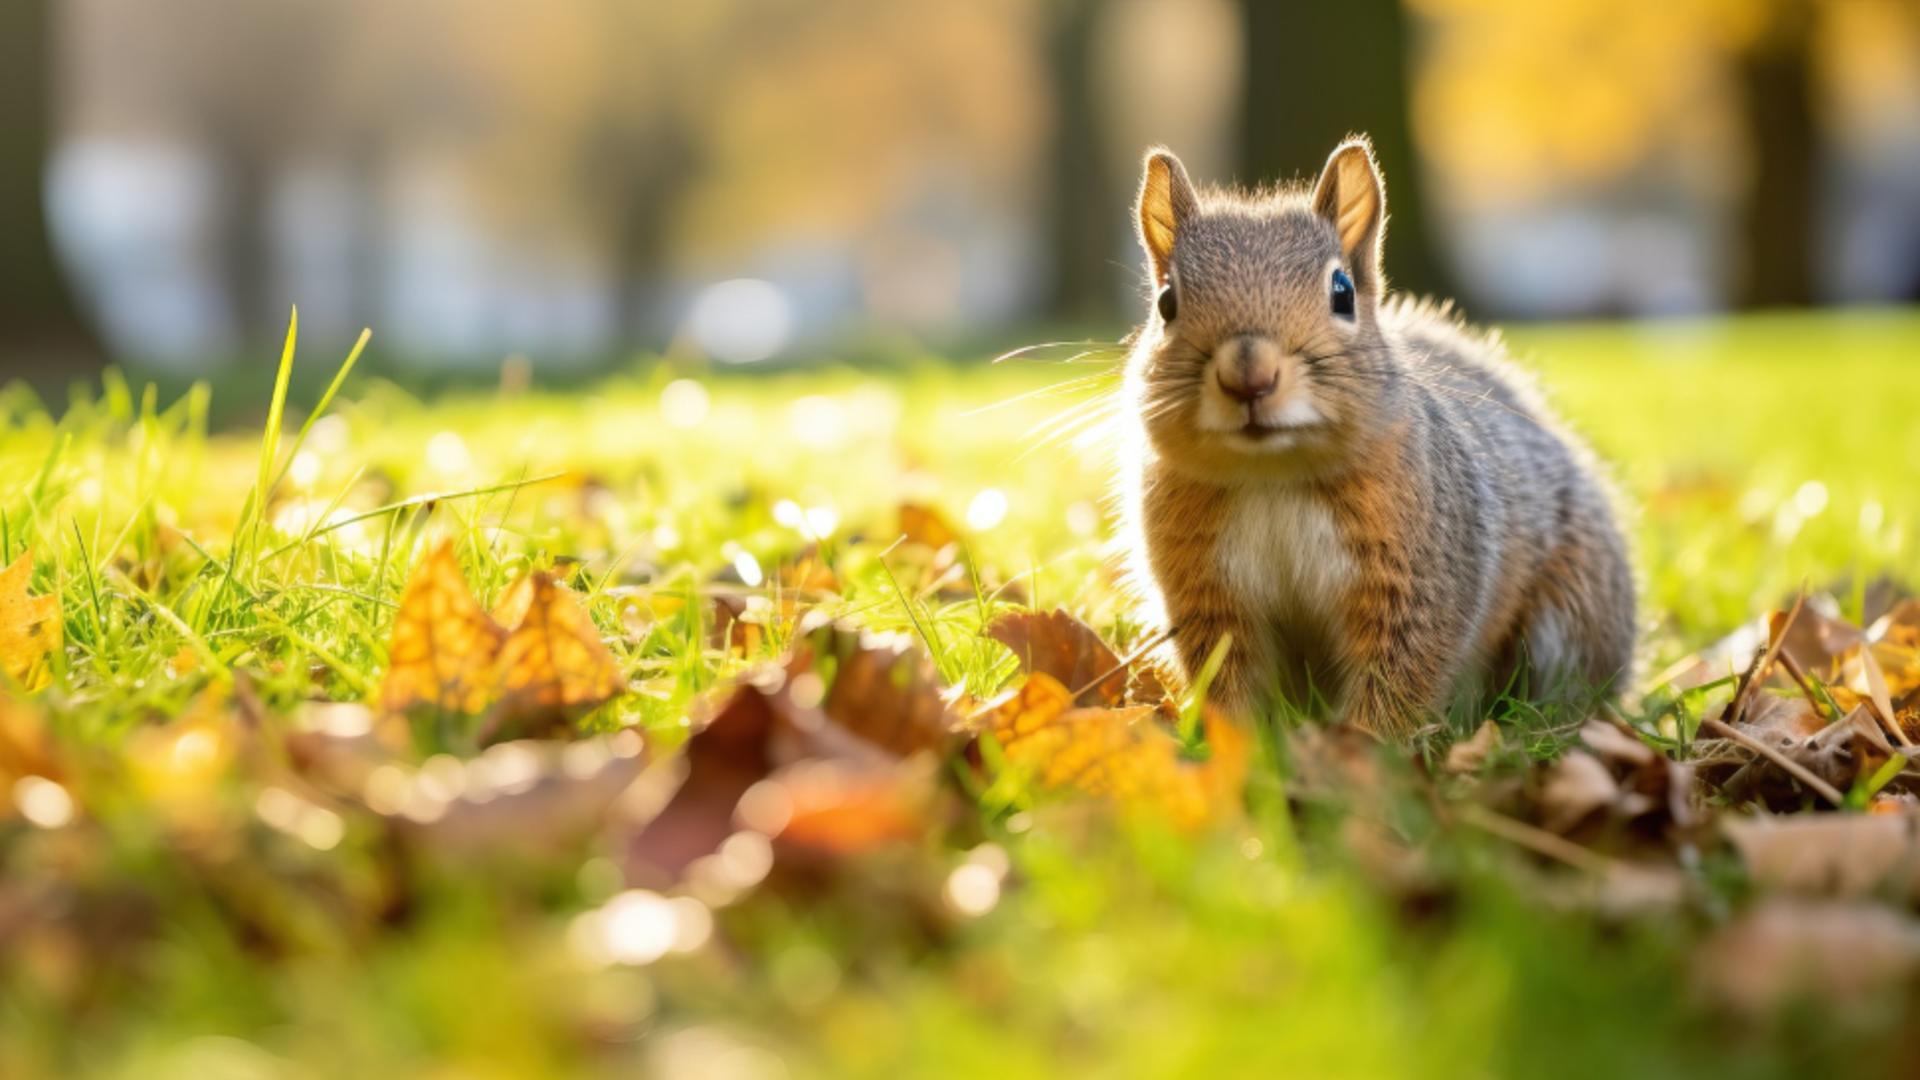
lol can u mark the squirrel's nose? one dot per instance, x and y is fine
(1247, 367)
(1246, 386)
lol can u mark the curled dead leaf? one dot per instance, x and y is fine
(882, 688)
(830, 756)
(1065, 649)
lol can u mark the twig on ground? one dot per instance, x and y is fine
(1537, 840)
(1793, 768)
(1126, 662)
(1793, 668)
(1764, 663)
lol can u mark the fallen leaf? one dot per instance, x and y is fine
(730, 753)
(884, 688)
(1058, 645)
(1576, 785)
(924, 525)
(1789, 724)
(29, 626)
(1782, 719)
(1817, 640)
(1876, 682)
(1785, 951)
(834, 809)
(553, 665)
(1469, 754)
(566, 792)
(1616, 745)
(443, 648)
(1830, 854)
(1126, 754)
(820, 781)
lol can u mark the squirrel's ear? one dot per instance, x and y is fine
(1166, 202)
(1351, 196)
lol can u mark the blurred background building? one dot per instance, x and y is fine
(583, 180)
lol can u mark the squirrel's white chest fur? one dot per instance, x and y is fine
(1280, 552)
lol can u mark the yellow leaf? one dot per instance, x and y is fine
(1126, 754)
(444, 647)
(553, 661)
(29, 625)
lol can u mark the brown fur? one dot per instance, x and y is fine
(1398, 523)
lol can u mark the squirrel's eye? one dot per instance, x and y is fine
(1342, 294)
(1169, 307)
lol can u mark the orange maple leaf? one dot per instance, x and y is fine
(29, 625)
(553, 661)
(1125, 754)
(444, 648)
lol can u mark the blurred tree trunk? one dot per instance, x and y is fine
(246, 248)
(1318, 72)
(656, 165)
(1777, 220)
(1079, 215)
(42, 333)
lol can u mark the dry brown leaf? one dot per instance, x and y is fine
(1125, 754)
(1576, 785)
(730, 753)
(883, 688)
(1786, 950)
(1817, 641)
(1616, 745)
(1063, 647)
(822, 771)
(1782, 719)
(29, 626)
(1469, 754)
(1830, 854)
(444, 648)
(553, 665)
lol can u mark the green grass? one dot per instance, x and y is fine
(1762, 453)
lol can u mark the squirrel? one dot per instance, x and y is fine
(1359, 493)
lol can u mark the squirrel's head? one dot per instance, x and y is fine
(1261, 352)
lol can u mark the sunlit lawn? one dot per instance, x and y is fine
(1760, 454)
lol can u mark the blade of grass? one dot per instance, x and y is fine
(409, 503)
(320, 407)
(270, 438)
